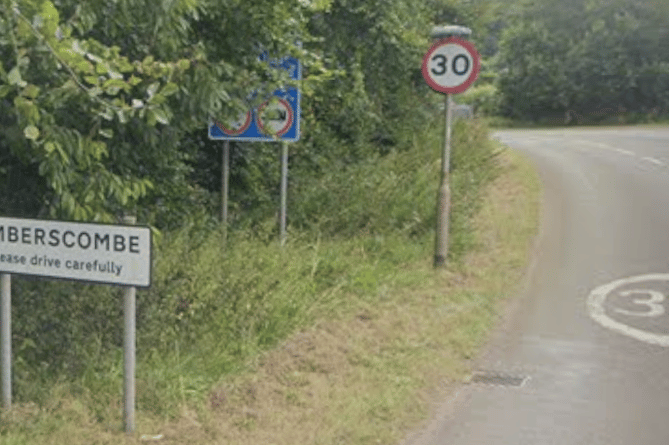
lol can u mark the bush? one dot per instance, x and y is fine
(485, 99)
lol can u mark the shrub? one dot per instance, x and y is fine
(485, 99)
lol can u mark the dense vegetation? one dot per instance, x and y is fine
(584, 60)
(104, 111)
(105, 103)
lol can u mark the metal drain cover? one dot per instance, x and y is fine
(497, 379)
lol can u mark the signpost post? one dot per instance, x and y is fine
(225, 180)
(450, 66)
(6, 326)
(129, 347)
(284, 192)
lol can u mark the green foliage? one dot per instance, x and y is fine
(583, 57)
(371, 195)
(105, 102)
(68, 104)
(97, 96)
(485, 99)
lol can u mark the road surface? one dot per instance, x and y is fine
(585, 358)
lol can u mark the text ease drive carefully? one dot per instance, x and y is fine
(112, 254)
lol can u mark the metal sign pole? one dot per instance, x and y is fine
(6, 335)
(450, 66)
(129, 310)
(444, 195)
(225, 178)
(284, 190)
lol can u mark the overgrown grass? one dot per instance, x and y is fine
(216, 305)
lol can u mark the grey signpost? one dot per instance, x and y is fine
(129, 345)
(6, 321)
(284, 192)
(225, 180)
(450, 66)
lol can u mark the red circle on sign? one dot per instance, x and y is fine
(240, 129)
(431, 75)
(282, 130)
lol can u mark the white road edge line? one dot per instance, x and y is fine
(653, 160)
(594, 144)
(619, 150)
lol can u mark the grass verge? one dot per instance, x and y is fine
(370, 376)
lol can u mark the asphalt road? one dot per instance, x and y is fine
(585, 358)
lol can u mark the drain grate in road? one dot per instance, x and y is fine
(497, 379)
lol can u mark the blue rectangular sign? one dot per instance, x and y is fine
(275, 120)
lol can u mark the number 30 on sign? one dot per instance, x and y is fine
(451, 65)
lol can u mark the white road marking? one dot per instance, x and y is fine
(597, 298)
(655, 308)
(653, 160)
(603, 146)
(600, 145)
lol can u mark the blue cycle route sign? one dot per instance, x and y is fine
(278, 119)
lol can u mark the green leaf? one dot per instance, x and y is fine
(5, 90)
(107, 114)
(50, 13)
(68, 202)
(157, 99)
(107, 132)
(84, 66)
(151, 90)
(124, 66)
(101, 68)
(112, 86)
(169, 89)
(63, 155)
(122, 116)
(31, 132)
(151, 118)
(148, 60)
(31, 91)
(14, 77)
(161, 116)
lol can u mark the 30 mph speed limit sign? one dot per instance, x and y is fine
(451, 65)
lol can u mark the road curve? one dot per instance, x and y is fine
(585, 358)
